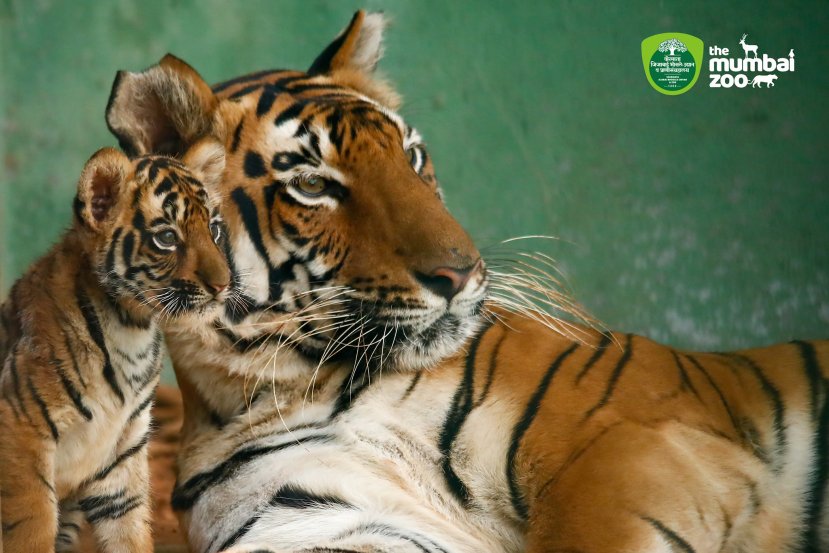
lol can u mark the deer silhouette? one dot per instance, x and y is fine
(748, 47)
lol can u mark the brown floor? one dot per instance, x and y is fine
(163, 451)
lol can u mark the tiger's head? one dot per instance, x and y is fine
(338, 233)
(151, 229)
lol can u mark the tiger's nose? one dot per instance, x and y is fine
(448, 282)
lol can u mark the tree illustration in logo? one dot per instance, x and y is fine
(673, 45)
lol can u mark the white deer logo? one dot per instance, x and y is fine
(748, 47)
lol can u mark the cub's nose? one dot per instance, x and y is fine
(448, 282)
(215, 283)
(217, 288)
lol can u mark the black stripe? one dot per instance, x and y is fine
(250, 219)
(93, 326)
(109, 263)
(673, 539)
(816, 498)
(186, 495)
(266, 100)
(685, 380)
(237, 136)
(95, 502)
(254, 165)
(70, 389)
(115, 510)
(335, 133)
(283, 161)
(777, 406)
(140, 409)
(601, 348)
(462, 405)
(350, 390)
(719, 393)
(291, 112)
(237, 535)
(244, 79)
(296, 498)
(70, 348)
(614, 378)
(422, 543)
(808, 359)
(46, 482)
(165, 186)
(43, 409)
(490, 373)
(16, 384)
(244, 91)
(104, 472)
(412, 385)
(516, 497)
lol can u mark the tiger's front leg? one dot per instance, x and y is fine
(117, 504)
(28, 503)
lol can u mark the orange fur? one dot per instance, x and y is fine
(81, 350)
(611, 444)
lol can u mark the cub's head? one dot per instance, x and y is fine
(152, 228)
(337, 231)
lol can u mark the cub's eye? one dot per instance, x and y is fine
(165, 239)
(311, 186)
(216, 231)
(411, 153)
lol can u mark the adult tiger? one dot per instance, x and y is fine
(523, 440)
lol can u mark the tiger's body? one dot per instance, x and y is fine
(82, 353)
(355, 400)
(615, 444)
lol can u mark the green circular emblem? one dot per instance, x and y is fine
(672, 67)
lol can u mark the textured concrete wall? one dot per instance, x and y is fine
(701, 220)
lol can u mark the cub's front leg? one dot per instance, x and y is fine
(117, 503)
(28, 504)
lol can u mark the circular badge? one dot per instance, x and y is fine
(672, 67)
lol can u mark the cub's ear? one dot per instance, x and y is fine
(359, 46)
(103, 180)
(206, 160)
(160, 110)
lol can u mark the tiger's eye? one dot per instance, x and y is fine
(412, 153)
(311, 186)
(165, 239)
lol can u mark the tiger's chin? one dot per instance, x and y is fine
(442, 339)
(401, 347)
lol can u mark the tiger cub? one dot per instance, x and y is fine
(81, 341)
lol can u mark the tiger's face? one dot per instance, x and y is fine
(340, 242)
(153, 230)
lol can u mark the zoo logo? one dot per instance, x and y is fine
(728, 72)
(672, 62)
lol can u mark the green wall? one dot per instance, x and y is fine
(701, 220)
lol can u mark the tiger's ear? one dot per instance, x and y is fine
(350, 60)
(160, 110)
(103, 180)
(206, 160)
(359, 46)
